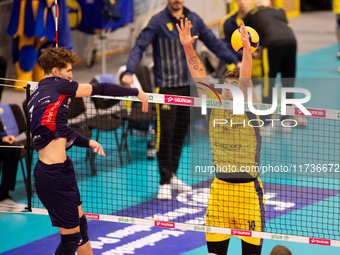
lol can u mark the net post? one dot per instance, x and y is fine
(56, 23)
(28, 152)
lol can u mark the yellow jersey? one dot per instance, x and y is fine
(236, 144)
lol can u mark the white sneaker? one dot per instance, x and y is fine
(302, 122)
(283, 129)
(266, 130)
(164, 192)
(177, 184)
(9, 205)
(279, 128)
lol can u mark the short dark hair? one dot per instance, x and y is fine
(232, 74)
(56, 57)
(280, 250)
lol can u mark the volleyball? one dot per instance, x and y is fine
(236, 41)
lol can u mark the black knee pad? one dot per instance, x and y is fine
(83, 229)
(69, 244)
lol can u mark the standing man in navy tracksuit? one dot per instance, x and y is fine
(172, 77)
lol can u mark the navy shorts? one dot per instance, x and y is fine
(58, 191)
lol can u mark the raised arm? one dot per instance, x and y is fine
(246, 66)
(196, 67)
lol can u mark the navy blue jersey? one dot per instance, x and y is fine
(48, 108)
(227, 27)
(170, 65)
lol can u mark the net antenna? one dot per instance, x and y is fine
(56, 23)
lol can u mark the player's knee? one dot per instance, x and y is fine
(83, 230)
(69, 244)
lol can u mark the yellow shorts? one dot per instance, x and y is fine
(236, 206)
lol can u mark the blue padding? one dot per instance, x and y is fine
(39, 28)
(27, 58)
(29, 20)
(13, 24)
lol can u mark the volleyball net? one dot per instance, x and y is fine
(298, 166)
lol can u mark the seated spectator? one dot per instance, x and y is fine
(9, 158)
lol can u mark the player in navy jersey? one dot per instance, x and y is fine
(54, 174)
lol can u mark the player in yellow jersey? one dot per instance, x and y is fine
(236, 197)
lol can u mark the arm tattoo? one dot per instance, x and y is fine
(196, 63)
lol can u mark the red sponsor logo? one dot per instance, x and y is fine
(164, 224)
(240, 232)
(92, 216)
(178, 100)
(315, 112)
(319, 241)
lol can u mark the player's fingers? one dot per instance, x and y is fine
(101, 152)
(145, 106)
(189, 25)
(178, 28)
(182, 24)
(193, 39)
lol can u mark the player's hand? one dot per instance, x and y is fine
(245, 37)
(144, 98)
(127, 80)
(97, 147)
(185, 34)
(9, 139)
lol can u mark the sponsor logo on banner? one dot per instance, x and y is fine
(199, 228)
(279, 237)
(164, 224)
(338, 115)
(178, 100)
(314, 112)
(240, 232)
(92, 216)
(319, 241)
(126, 220)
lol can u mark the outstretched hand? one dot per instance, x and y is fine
(245, 37)
(144, 98)
(185, 34)
(97, 147)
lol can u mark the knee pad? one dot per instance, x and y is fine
(83, 229)
(69, 244)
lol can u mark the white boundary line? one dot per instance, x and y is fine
(202, 228)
